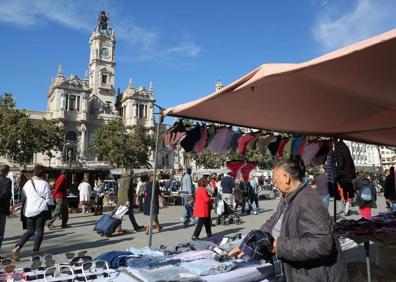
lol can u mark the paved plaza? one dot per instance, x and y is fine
(82, 237)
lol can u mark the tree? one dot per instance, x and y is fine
(208, 159)
(20, 139)
(121, 147)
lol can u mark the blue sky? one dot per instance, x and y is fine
(184, 47)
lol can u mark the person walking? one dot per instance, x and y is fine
(126, 197)
(85, 195)
(59, 194)
(390, 189)
(302, 230)
(322, 186)
(227, 189)
(202, 209)
(366, 194)
(147, 204)
(187, 191)
(38, 197)
(5, 198)
(140, 189)
(254, 194)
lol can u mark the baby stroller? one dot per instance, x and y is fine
(226, 214)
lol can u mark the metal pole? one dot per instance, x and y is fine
(153, 188)
(367, 249)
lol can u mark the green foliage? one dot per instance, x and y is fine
(20, 139)
(207, 159)
(123, 148)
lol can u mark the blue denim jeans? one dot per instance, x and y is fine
(326, 200)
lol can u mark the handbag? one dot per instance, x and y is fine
(48, 213)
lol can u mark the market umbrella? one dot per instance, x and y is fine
(349, 93)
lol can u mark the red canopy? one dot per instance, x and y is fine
(348, 93)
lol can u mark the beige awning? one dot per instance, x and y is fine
(348, 93)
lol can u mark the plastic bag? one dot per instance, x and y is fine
(220, 207)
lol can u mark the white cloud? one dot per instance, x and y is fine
(366, 19)
(82, 16)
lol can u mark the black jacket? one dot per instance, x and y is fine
(307, 244)
(5, 195)
(389, 189)
(344, 165)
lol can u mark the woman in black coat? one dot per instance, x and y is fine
(302, 229)
(147, 204)
(390, 189)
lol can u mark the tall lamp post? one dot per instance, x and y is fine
(153, 188)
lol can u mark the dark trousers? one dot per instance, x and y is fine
(203, 221)
(35, 226)
(62, 210)
(99, 204)
(254, 199)
(132, 218)
(243, 205)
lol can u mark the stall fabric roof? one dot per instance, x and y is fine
(349, 93)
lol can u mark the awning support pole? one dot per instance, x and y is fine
(153, 188)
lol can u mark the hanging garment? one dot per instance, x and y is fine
(246, 169)
(192, 137)
(243, 141)
(344, 165)
(310, 152)
(235, 166)
(234, 141)
(175, 134)
(320, 157)
(281, 148)
(199, 147)
(287, 149)
(301, 149)
(273, 147)
(297, 141)
(228, 140)
(263, 141)
(219, 140)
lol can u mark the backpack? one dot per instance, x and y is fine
(366, 194)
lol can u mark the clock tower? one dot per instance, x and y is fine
(101, 65)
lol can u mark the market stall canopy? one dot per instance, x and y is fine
(349, 93)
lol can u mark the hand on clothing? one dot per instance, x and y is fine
(236, 252)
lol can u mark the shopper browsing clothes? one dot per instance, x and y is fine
(36, 210)
(366, 194)
(301, 231)
(85, 191)
(202, 209)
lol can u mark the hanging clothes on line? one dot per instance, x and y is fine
(199, 147)
(174, 135)
(191, 138)
(263, 141)
(246, 169)
(235, 166)
(273, 146)
(219, 142)
(310, 151)
(282, 146)
(243, 142)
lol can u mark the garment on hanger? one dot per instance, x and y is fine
(332, 176)
(246, 169)
(301, 149)
(320, 157)
(297, 141)
(218, 144)
(287, 149)
(175, 134)
(310, 151)
(344, 164)
(273, 146)
(191, 138)
(233, 145)
(243, 141)
(199, 147)
(263, 141)
(281, 148)
(251, 145)
(235, 166)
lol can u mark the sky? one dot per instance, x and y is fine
(183, 47)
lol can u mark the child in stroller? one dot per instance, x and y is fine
(226, 214)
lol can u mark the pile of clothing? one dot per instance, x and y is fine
(383, 224)
(204, 260)
(222, 139)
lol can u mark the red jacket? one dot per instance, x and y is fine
(202, 203)
(60, 188)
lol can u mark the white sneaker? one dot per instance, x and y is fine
(255, 213)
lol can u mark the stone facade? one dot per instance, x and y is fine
(82, 105)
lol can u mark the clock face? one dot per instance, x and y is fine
(104, 52)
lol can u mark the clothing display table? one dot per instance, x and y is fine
(379, 229)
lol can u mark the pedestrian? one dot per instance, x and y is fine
(254, 196)
(189, 211)
(85, 195)
(38, 197)
(366, 194)
(140, 189)
(59, 194)
(5, 198)
(227, 188)
(322, 187)
(390, 189)
(147, 204)
(302, 229)
(100, 194)
(202, 209)
(187, 190)
(126, 196)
